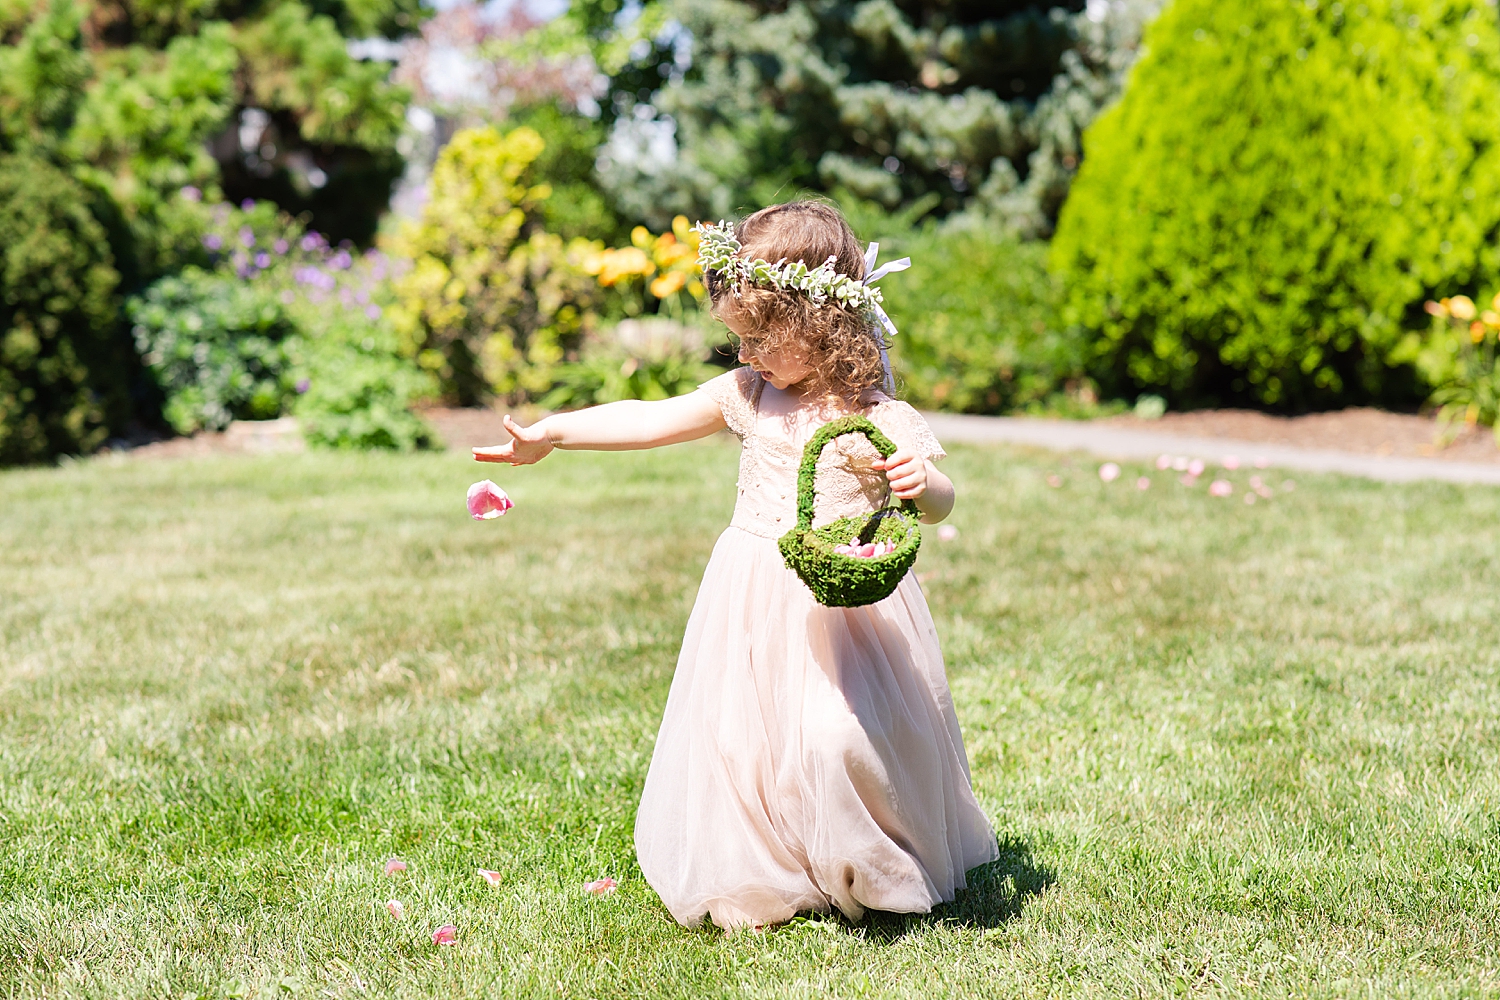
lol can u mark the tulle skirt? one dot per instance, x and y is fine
(809, 756)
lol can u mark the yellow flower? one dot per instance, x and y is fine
(1462, 307)
(668, 284)
(1490, 317)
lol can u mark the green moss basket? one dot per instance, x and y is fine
(838, 580)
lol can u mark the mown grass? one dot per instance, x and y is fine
(1229, 750)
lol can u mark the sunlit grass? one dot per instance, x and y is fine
(1228, 749)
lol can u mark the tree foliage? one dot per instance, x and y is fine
(1260, 217)
(977, 104)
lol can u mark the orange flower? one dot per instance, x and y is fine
(1476, 332)
(668, 284)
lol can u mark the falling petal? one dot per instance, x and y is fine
(1196, 467)
(1143, 483)
(446, 934)
(395, 908)
(1231, 462)
(395, 865)
(947, 533)
(1163, 463)
(493, 878)
(1109, 472)
(602, 887)
(1220, 488)
(487, 501)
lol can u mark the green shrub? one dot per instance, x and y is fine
(218, 347)
(1260, 217)
(976, 313)
(358, 390)
(64, 371)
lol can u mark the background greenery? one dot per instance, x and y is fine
(1262, 214)
(1229, 749)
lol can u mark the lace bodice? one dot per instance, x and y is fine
(774, 429)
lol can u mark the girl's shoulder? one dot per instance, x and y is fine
(735, 392)
(903, 425)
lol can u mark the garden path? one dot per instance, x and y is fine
(1137, 441)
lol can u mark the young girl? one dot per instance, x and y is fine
(809, 756)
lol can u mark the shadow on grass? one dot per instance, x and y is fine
(997, 893)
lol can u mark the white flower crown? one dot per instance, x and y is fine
(718, 251)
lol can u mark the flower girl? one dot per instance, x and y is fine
(809, 756)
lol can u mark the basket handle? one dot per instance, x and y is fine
(807, 473)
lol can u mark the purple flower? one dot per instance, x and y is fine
(242, 270)
(281, 246)
(247, 236)
(340, 261)
(372, 311)
(346, 297)
(311, 242)
(362, 296)
(303, 385)
(190, 193)
(262, 259)
(212, 241)
(247, 204)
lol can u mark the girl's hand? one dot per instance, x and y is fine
(907, 473)
(527, 445)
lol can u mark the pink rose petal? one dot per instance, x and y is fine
(1264, 491)
(1143, 483)
(1109, 472)
(1231, 462)
(1196, 467)
(486, 501)
(395, 908)
(1163, 463)
(1180, 463)
(446, 934)
(395, 865)
(1054, 481)
(1262, 462)
(493, 878)
(1187, 479)
(947, 533)
(602, 887)
(1220, 488)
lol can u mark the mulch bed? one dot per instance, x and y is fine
(1362, 430)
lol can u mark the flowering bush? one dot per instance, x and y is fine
(664, 267)
(491, 302)
(285, 323)
(1461, 361)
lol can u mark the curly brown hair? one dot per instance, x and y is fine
(839, 345)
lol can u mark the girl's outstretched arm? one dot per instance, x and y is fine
(623, 426)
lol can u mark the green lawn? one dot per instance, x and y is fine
(1229, 749)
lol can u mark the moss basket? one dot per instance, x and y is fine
(838, 580)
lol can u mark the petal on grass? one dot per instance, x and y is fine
(1143, 483)
(601, 887)
(446, 934)
(395, 865)
(493, 878)
(1220, 488)
(487, 501)
(1109, 472)
(395, 908)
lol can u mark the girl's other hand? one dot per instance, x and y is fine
(906, 472)
(526, 446)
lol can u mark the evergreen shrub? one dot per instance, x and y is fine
(64, 370)
(1261, 216)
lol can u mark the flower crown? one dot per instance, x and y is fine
(718, 251)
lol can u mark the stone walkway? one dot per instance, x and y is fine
(1116, 442)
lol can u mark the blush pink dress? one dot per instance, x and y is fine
(809, 756)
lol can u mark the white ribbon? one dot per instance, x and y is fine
(875, 274)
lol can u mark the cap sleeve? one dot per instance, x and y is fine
(734, 391)
(907, 429)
